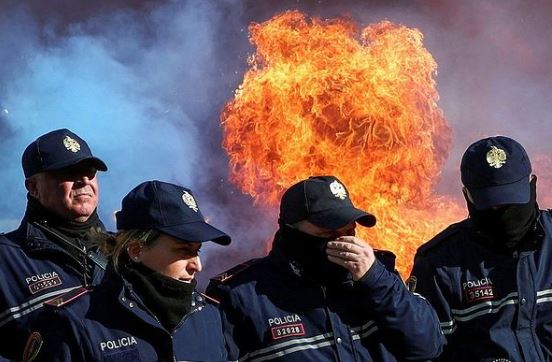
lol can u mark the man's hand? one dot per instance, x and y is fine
(351, 253)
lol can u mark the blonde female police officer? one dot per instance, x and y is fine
(146, 308)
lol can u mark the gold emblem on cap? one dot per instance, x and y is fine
(496, 157)
(189, 201)
(71, 144)
(338, 190)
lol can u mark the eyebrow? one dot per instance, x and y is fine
(188, 247)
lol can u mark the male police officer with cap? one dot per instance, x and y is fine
(489, 277)
(323, 294)
(48, 254)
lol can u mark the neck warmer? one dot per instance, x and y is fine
(73, 230)
(308, 252)
(168, 299)
(507, 225)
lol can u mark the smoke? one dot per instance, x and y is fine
(144, 83)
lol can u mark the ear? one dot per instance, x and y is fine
(31, 184)
(134, 250)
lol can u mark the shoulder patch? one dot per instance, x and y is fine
(32, 347)
(439, 238)
(66, 298)
(232, 272)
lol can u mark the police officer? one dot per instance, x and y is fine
(489, 277)
(48, 254)
(146, 308)
(323, 294)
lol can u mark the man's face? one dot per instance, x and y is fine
(71, 193)
(309, 228)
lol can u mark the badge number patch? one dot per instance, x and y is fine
(45, 284)
(288, 330)
(479, 293)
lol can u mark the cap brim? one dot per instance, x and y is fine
(196, 231)
(94, 161)
(518, 192)
(339, 217)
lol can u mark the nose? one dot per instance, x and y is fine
(82, 180)
(84, 176)
(346, 231)
(194, 266)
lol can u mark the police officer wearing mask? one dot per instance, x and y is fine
(323, 294)
(146, 308)
(48, 254)
(489, 277)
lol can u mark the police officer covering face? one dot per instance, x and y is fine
(489, 277)
(48, 254)
(146, 308)
(323, 294)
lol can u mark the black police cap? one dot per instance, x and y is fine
(168, 208)
(496, 171)
(323, 201)
(56, 150)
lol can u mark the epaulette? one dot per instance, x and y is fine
(66, 298)
(439, 238)
(209, 299)
(232, 272)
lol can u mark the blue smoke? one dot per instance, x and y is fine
(136, 86)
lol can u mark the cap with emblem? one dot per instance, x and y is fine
(168, 208)
(324, 201)
(56, 150)
(496, 171)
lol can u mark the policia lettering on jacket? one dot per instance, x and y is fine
(48, 254)
(489, 277)
(146, 307)
(300, 303)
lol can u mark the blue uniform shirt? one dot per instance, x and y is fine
(272, 313)
(111, 323)
(33, 269)
(493, 305)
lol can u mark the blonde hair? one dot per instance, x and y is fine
(114, 246)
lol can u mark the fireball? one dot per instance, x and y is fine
(323, 97)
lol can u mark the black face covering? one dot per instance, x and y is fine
(309, 252)
(167, 298)
(509, 224)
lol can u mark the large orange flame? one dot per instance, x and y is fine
(322, 98)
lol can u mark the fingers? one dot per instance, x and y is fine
(347, 245)
(351, 253)
(342, 254)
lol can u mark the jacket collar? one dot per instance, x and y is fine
(117, 287)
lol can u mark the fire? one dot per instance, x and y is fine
(542, 167)
(323, 98)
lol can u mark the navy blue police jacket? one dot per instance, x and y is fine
(110, 323)
(272, 313)
(33, 269)
(493, 304)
